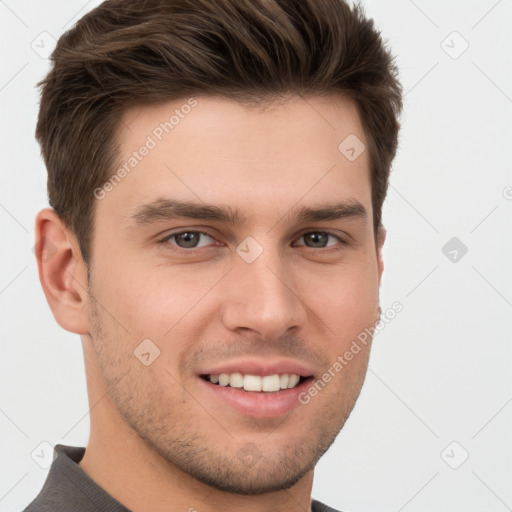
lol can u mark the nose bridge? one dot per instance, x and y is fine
(263, 298)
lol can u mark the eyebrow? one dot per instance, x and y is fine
(170, 209)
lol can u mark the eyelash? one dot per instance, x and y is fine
(193, 250)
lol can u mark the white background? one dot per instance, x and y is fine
(439, 372)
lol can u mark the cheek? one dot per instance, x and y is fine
(128, 297)
(160, 302)
(347, 300)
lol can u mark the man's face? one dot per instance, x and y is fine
(265, 292)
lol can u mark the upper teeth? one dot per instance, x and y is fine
(255, 382)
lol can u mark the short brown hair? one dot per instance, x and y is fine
(131, 52)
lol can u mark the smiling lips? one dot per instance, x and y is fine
(257, 388)
(256, 383)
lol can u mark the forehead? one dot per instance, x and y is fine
(257, 159)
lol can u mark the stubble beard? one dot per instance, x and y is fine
(192, 448)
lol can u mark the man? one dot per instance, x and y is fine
(216, 172)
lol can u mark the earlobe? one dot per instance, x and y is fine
(62, 272)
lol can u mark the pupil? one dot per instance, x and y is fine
(317, 239)
(188, 239)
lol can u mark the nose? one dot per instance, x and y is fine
(260, 297)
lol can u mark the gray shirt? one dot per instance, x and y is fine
(68, 488)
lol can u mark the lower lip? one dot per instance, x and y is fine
(258, 404)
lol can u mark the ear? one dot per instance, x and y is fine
(380, 239)
(62, 272)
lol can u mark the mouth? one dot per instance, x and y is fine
(256, 396)
(256, 383)
(257, 387)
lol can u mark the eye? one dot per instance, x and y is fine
(319, 239)
(193, 239)
(188, 239)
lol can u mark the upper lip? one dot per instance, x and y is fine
(259, 367)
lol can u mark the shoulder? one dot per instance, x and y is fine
(68, 487)
(317, 506)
